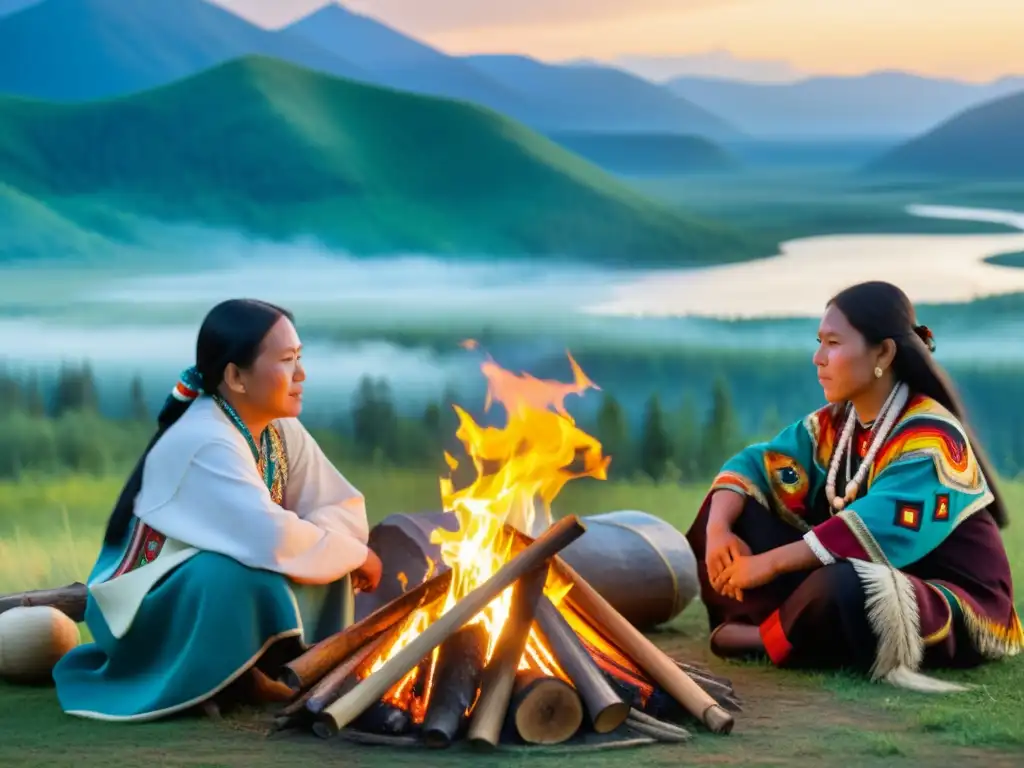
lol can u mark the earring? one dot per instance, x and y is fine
(878, 372)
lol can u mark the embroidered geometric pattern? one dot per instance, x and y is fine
(929, 430)
(941, 513)
(909, 515)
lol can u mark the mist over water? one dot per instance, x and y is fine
(126, 320)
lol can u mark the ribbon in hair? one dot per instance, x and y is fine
(925, 334)
(189, 386)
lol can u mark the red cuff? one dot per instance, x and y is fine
(774, 638)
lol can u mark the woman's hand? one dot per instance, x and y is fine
(366, 577)
(722, 548)
(747, 572)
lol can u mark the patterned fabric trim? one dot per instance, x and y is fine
(943, 632)
(279, 457)
(821, 427)
(928, 429)
(824, 556)
(992, 640)
(860, 532)
(734, 481)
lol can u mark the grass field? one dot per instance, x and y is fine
(49, 530)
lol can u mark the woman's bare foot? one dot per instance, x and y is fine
(736, 641)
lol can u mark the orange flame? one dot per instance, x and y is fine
(522, 464)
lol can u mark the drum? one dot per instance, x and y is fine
(639, 563)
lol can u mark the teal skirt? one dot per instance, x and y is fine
(198, 630)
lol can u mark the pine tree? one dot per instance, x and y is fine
(721, 431)
(655, 443)
(612, 430)
(686, 434)
(75, 390)
(137, 409)
(11, 394)
(34, 404)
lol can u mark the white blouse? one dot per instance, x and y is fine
(202, 490)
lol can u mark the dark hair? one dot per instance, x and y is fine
(881, 311)
(232, 332)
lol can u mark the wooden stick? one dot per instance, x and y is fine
(330, 685)
(659, 729)
(69, 599)
(347, 708)
(606, 708)
(500, 675)
(303, 672)
(460, 662)
(544, 710)
(646, 654)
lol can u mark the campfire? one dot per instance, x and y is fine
(503, 642)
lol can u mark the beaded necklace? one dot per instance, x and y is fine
(264, 455)
(883, 424)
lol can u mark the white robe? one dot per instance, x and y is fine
(201, 489)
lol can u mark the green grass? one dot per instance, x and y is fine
(49, 533)
(304, 155)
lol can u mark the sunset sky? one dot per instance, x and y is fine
(967, 39)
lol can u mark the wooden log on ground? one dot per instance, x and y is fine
(460, 663)
(651, 659)
(305, 671)
(543, 709)
(69, 600)
(658, 729)
(605, 707)
(349, 706)
(499, 677)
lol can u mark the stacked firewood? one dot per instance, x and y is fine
(615, 681)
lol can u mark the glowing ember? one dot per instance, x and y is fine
(524, 463)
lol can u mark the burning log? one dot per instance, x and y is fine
(460, 662)
(311, 666)
(606, 709)
(500, 675)
(384, 719)
(544, 710)
(646, 654)
(352, 704)
(69, 599)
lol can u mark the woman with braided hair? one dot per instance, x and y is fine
(865, 536)
(234, 543)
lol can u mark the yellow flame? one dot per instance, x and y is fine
(520, 465)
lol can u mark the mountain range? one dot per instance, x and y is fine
(75, 50)
(986, 141)
(880, 104)
(303, 154)
(80, 50)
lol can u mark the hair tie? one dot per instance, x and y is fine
(925, 334)
(189, 386)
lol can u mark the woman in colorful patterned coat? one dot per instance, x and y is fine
(234, 543)
(866, 535)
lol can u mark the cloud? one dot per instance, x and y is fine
(431, 16)
(445, 15)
